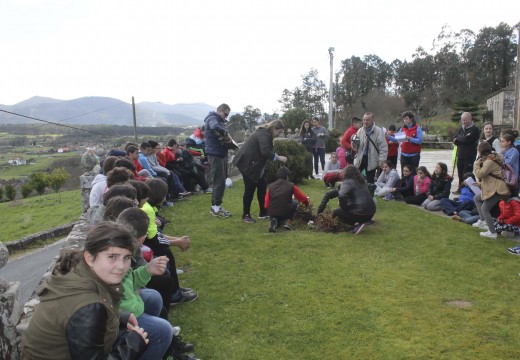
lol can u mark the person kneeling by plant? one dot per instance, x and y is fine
(279, 200)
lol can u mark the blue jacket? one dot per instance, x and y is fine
(215, 128)
(145, 164)
(466, 195)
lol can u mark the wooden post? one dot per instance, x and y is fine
(516, 120)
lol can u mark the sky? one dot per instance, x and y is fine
(241, 52)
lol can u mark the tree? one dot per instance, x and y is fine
(464, 105)
(57, 179)
(236, 123)
(293, 118)
(10, 192)
(38, 182)
(251, 116)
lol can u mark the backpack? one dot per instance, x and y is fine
(509, 177)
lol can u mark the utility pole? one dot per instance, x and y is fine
(135, 120)
(516, 120)
(331, 88)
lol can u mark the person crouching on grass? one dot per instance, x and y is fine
(279, 200)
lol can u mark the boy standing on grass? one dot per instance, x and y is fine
(279, 200)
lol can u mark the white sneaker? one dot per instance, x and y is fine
(488, 234)
(176, 330)
(478, 223)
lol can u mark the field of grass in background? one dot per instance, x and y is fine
(42, 163)
(414, 285)
(28, 216)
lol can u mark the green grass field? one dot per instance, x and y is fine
(37, 213)
(413, 286)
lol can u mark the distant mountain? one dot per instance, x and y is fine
(103, 110)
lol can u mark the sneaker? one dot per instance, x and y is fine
(178, 198)
(183, 289)
(369, 223)
(220, 213)
(184, 298)
(263, 216)
(176, 330)
(274, 225)
(488, 234)
(456, 218)
(514, 250)
(167, 204)
(179, 271)
(358, 228)
(208, 191)
(289, 227)
(248, 219)
(185, 193)
(388, 196)
(181, 346)
(478, 224)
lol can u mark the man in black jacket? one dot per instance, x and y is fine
(467, 142)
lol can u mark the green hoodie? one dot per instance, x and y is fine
(134, 280)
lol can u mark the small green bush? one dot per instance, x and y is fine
(299, 161)
(10, 192)
(39, 181)
(333, 140)
(1, 193)
(26, 190)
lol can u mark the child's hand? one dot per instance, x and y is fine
(182, 242)
(158, 265)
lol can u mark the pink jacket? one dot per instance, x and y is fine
(423, 186)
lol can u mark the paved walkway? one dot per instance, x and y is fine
(431, 157)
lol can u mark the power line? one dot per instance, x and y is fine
(52, 123)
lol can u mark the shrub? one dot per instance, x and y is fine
(1, 193)
(333, 141)
(26, 190)
(10, 192)
(299, 161)
(57, 178)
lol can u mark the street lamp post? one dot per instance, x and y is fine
(331, 89)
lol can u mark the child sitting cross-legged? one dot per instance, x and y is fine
(279, 200)
(387, 180)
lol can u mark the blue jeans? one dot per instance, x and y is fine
(160, 332)
(468, 217)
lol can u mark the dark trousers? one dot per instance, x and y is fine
(413, 161)
(218, 175)
(290, 215)
(464, 166)
(319, 153)
(350, 218)
(370, 175)
(250, 187)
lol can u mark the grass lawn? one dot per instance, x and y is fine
(414, 286)
(43, 161)
(37, 213)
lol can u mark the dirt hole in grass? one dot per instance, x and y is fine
(459, 304)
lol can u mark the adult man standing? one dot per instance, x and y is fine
(217, 144)
(467, 142)
(411, 146)
(372, 150)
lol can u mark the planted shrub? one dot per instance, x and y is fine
(299, 161)
(1, 193)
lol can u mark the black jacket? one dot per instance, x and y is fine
(253, 156)
(467, 142)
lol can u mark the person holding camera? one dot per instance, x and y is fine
(218, 141)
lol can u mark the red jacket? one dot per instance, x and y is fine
(346, 142)
(166, 156)
(393, 148)
(409, 147)
(510, 211)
